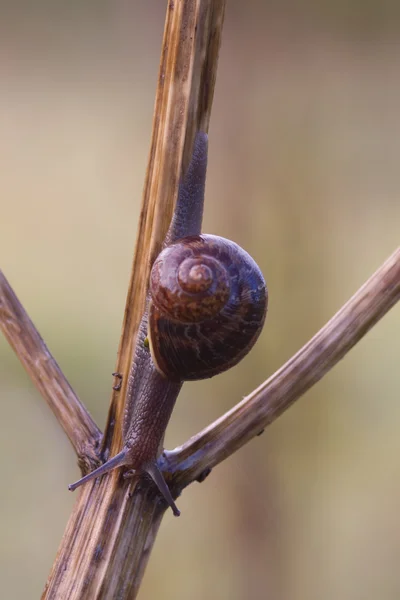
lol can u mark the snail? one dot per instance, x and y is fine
(206, 307)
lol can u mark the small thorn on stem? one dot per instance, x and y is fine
(203, 475)
(118, 385)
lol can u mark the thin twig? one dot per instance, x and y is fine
(226, 435)
(48, 378)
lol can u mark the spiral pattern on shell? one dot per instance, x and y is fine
(207, 308)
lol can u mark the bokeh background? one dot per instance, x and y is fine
(304, 173)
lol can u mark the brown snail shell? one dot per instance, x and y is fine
(207, 308)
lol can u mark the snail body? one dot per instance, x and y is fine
(205, 309)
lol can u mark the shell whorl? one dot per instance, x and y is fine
(207, 308)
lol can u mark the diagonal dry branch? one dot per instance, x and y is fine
(226, 435)
(48, 378)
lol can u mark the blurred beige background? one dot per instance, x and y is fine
(304, 173)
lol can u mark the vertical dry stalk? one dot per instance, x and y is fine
(111, 531)
(186, 80)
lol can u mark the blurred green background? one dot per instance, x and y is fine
(304, 173)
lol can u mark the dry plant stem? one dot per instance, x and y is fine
(45, 373)
(226, 435)
(185, 91)
(114, 523)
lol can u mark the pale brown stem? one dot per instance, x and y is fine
(186, 80)
(245, 420)
(112, 529)
(48, 378)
